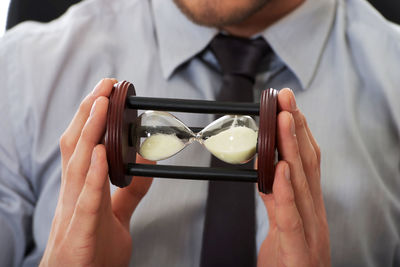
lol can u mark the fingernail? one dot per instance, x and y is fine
(287, 172)
(96, 89)
(293, 101)
(292, 125)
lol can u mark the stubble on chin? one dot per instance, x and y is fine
(212, 13)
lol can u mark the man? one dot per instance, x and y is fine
(338, 57)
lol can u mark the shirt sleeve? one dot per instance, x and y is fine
(17, 199)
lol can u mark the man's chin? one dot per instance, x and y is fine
(219, 13)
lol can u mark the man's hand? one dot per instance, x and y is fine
(89, 227)
(298, 231)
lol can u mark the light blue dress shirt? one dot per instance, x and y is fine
(340, 57)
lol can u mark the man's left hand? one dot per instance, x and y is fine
(298, 230)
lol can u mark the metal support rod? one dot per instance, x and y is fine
(192, 173)
(193, 106)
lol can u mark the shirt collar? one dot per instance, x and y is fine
(179, 39)
(300, 37)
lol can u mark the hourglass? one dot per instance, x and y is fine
(157, 135)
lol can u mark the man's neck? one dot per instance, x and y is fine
(270, 13)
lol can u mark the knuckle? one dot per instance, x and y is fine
(287, 200)
(295, 225)
(70, 171)
(303, 187)
(85, 105)
(94, 187)
(308, 162)
(317, 173)
(296, 150)
(300, 119)
(312, 164)
(324, 224)
(86, 135)
(318, 151)
(303, 118)
(291, 225)
(91, 210)
(66, 144)
(316, 167)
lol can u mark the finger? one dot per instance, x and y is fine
(88, 210)
(292, 241)
(268, 199)
(72, 133)
(308, 154)
(310, 157)
(313, 142)
(125, 200)
(289, 150)
(80, 160)
(315, 184)
(287, 102)
(313, 167)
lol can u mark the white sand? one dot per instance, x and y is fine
(160, 146)
(235, 145)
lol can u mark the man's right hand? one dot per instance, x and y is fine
(91, 228)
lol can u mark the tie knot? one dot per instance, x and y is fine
(239, 56)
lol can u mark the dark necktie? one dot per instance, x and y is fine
(229, 228)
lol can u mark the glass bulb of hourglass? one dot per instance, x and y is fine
(159, 135)
(231, 138)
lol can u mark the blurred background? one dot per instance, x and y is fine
(47, 10)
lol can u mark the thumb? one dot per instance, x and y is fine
(125, 200)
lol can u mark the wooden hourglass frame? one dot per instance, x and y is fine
(121, 149)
